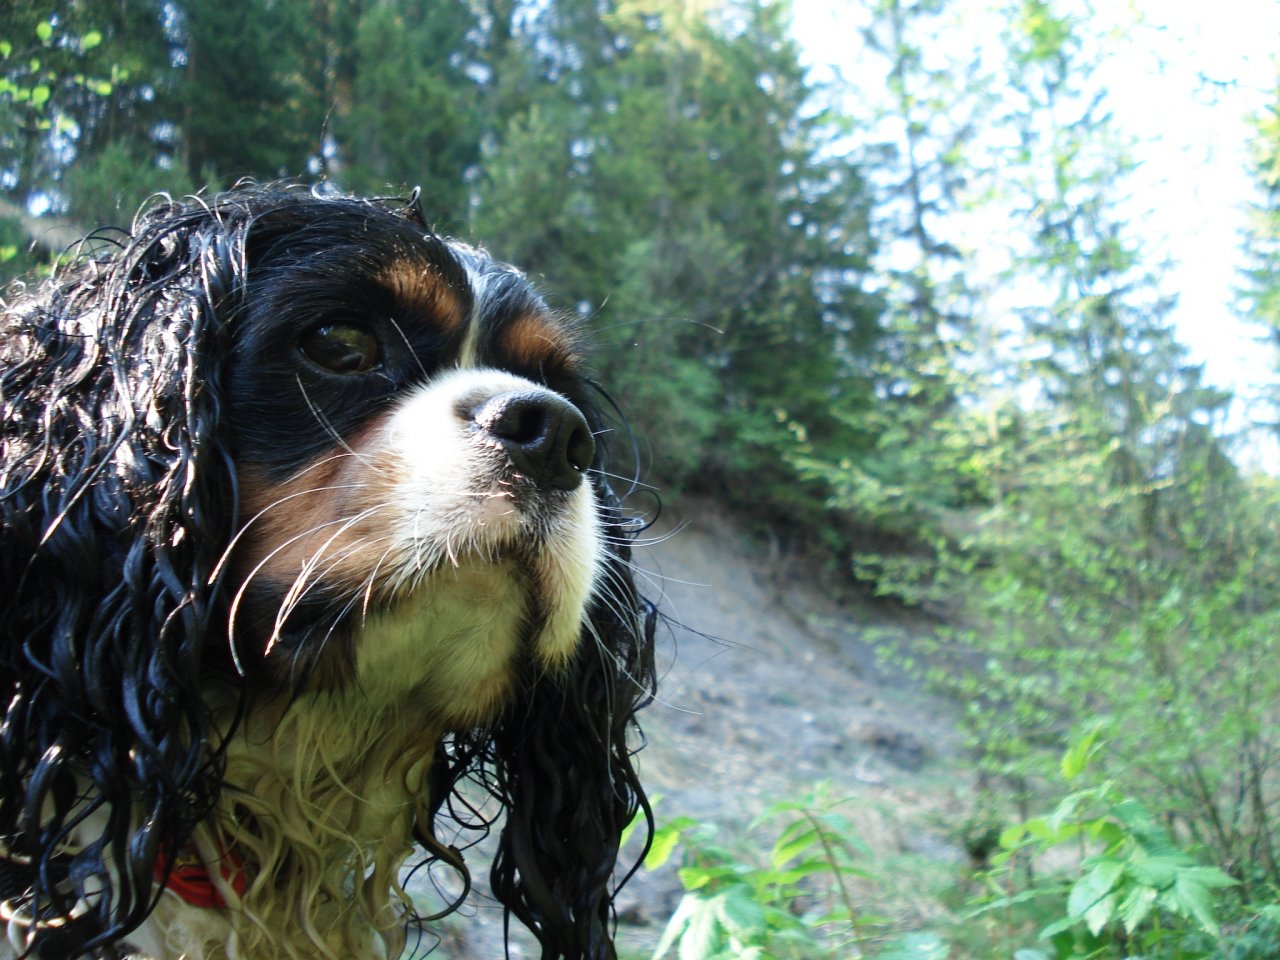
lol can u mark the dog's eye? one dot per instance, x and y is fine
(341, 348)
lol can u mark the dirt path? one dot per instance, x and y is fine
(788, 694)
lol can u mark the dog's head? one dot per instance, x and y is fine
(278, 447)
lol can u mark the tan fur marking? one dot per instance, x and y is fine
(536, 340)
(328, 522)
(420, 288)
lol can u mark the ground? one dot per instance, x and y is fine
(770, 686)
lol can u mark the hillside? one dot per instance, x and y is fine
(770, 687)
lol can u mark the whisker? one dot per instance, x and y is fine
(370, 580)
(412, 352)
(226, 554)
(621, 478)
(329, 428)
(276, 551)
(300, 586)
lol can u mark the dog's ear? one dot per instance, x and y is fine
(116, 494)
(565, 767)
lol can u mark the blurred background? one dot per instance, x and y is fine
(947, 329)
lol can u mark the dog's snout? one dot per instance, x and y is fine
(545, 435)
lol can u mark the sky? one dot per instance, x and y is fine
(1190, 193)
(1193, 143)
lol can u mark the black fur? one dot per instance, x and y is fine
(135, 387)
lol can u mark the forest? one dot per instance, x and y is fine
(912, 334)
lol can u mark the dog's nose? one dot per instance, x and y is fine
(545, 435)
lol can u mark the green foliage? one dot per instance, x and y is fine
(1150, 605)
(109, 187)
(734, 909)
(1261, 288)
(32, 66)
(414, 118)
(680, 199)
(1258, 938)
(15, 256)
(48, 61)
(244, 106)
(1134, 889)
(1096, 548)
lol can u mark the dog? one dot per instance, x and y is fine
(308, 539)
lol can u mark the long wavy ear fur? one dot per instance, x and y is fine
(563, 767)
(116, 494)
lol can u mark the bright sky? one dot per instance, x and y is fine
(1194, 183)
(1191, 190)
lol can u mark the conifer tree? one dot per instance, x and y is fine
(669, 180)
(1261, 289)
(244, 112)
(415, 118)
(919, 140)
(1118, 526)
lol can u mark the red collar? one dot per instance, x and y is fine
(189, 877)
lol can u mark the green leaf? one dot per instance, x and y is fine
(702, 937)
(1109, 832)
(1158, 872)
(665, 839)
(1210, 877)
(1051, 831)
(1192, 895)
(639, 816)
(1091, 898)
(838, 915)
(739, 913)
(1193, 899)
(793, 847)
(6, 48)
(695, 878)
(39, 95)
(1011, 837)
(91, 40)
(1136, 906)
(44, 31)
(785, 806)
(675, 926)
(1058, 926)
(1135, 816)
(1077, 756)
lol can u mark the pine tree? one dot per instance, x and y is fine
(245, 112)
(919, 135)
(1120, 539)
(415, 113)
(668, 179)
(1261, 292)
